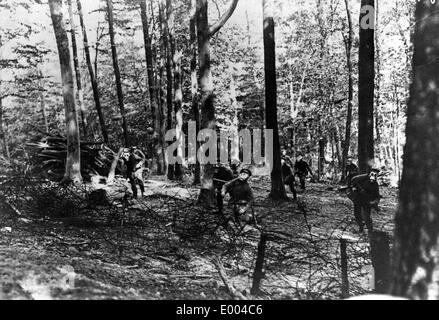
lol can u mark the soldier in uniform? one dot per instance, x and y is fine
(365, 195)
(134, 160)
(287, 158)
(288, 175)
(221, 176)
(301, 169)
(241, 194)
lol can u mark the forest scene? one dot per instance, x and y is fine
(219, 150)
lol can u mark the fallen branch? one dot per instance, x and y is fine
(11, 206)
(232, 291)
(191, 276)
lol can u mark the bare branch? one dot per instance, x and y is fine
(221, 22)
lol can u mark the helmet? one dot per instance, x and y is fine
(246, 171)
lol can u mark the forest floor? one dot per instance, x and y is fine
(163, 245)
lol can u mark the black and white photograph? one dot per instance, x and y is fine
(219, 154)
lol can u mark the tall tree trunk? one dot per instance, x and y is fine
(378, 83)
(177, 89)
(162, 75)
(154, 107)
(117, 72)
(77, 72)
(366, 84)
(277, 184)
(169, 44)
(321, 162)
(43, 112)
(43, 102)
(149, 59)
(348, 45)
(93, 80)
(73, 161)
(169, 38)
(3, 131)
(337, 142)
(416, 250)
(3, 136)
(194, 82)
(178, 103)
(207, 116)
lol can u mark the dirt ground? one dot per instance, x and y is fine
(162, 247)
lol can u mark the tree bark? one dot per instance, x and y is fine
(93, 80)
(178, 101)
(321, 163)
(348, 45)
(152, 85)
(76, 66)
(378, 84)
(149, 59)
(344, 269)
(3, 136)
(117, 72)
(73, 161)
(416, 250)
(169, 44)
(366, 84)
(277, 184)
(112, 172)
(207, 116)
(194, 82)
(380, 256)
(43, 112)
(43, 102)
(162, 91)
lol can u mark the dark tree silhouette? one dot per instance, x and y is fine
(277, 184)
(416, 268)
(366, 85)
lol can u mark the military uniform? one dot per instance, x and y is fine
(364, 195)
(135, 173)
(302, 168)
(289, 179)
(241, 196)
(221, 176)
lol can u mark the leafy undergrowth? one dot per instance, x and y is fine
(162, 246)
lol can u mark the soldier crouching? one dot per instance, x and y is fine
(241, 194)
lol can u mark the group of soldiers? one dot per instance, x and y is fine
(362, 189)
(229, 181)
